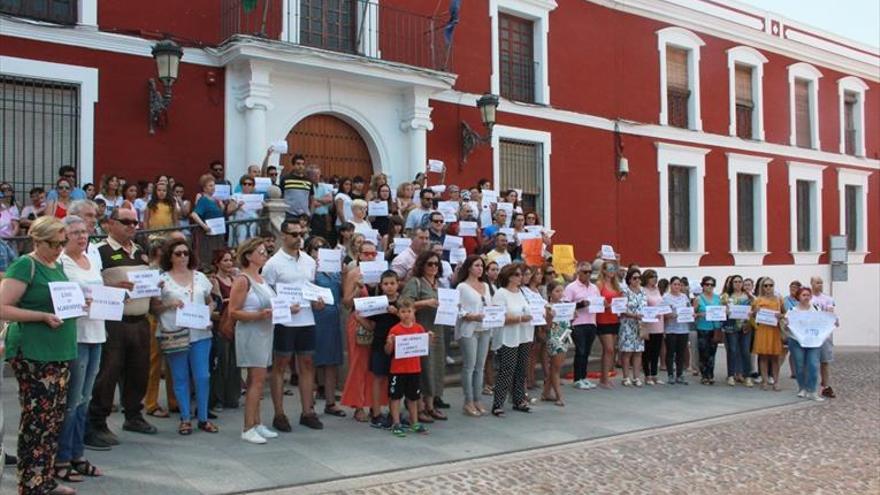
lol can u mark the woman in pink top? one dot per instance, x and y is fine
(655, 330)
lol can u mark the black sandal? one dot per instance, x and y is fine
(523, 408)
(498, 413)
(334, 410)
(67, 474)
(86, 468)
(185, 428)
(208, 427)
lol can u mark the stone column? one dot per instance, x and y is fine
(254, 99)
(417, 123)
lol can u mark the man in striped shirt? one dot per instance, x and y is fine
(297, 190)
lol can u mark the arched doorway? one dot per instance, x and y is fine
(331, 143)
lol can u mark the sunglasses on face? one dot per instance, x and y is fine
(432, 263)
(56, 244)
(768, 285)
(293, 234)
(247, 183)
(181, 254)
(369, 254)
(584, 272)
(63, 188)
(128, 223)
(708, 285)
(436, 221)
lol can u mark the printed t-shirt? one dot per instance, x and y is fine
(406, 366)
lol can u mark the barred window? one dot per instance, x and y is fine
(677, 88)
(517, 60)
(57, 11)
(328, 24)
(522, 168)
(804, 215)
(745, 104)
(803, 125)
(745, 211)
(39, 130)
(850, 100)
(852, 217)
(679, 208)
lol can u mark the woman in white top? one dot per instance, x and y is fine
(806, 359)
(342, 200)
(359, 218)
(110, 194)
(70, 464)
(472, 338)
(512, 357)
(250, 305)
(183, 285)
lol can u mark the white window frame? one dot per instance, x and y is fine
(543, 138)
(537, 11)
(858, 178)
(368, 46)
(88, 12)
(747, 56)
(810, 173)
(756, 166)
(684, 39)
(87, 80)
(804, 71)
(694, 159)
(857, 86)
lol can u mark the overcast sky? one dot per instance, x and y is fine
(854, 19)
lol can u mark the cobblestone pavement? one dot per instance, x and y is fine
(828, 448)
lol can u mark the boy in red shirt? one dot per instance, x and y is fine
(405, 372)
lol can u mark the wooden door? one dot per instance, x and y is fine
(332, 144)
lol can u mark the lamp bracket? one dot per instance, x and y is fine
(470, 139)
(159, 104)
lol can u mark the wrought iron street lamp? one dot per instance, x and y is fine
(470, 139)
(167, 55)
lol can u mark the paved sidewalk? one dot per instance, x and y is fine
(167, 463)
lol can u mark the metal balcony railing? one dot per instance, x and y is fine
(360, 27)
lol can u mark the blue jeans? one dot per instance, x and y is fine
(195, 360)
(738, 345)
(83, 371)
(473, 351)
(806, 365)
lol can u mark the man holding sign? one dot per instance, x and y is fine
(125, 356)
(292, 266)
(406, 344)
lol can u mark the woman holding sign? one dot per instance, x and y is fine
(472, 338)
(184, 332)
(806, 355)
(510, 341)
(654, 342)
(766, 309)
(243, 231)
(707, 341)
(631, 343)
(208, 208)
(607, 323)
(39, 347)
(90, 335)
(737, 333)
(382, 222)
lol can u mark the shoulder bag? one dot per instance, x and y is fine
(172, 341)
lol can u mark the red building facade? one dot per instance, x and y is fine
(750, 139)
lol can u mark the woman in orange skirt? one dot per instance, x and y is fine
(768, 337)
(357, 392)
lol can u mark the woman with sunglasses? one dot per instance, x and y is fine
(511, 341)
(768, 338)
(39, 347)
(422, 288)
(737, 335)
(472, 338)
(707, 343)
(630, 343)
(607, 323)
(654, 343)
(535, 291)
(328, 329)
(58, 207)
(250, 228)
(182, 285)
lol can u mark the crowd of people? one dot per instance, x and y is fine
(357, 268)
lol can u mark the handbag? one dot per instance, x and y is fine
(717, 336)
(363, 336)
(171, 341)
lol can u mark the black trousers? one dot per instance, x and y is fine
(583, 337)
(125, 360)
(676, 350)
(652, 353)
(511, 377)
(225, 375)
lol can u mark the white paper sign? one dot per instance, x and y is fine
(409, 346)
(767, 317)
(493, 316)
(216, 226)
(107, 303)
(449, 210)
(457, 256)
(539, 314)
(401, 244)
(716, 313)
(436, 166)
(740, 311)
(811, 328)
(281, 311)
(279, 147)
(222, 191)
(146, 283)
(507, 207)
(67, 299)
(438, 189)
(370, 306)
(467, 229)
(372, 235)
(193, 315)
(526, 235)
(664, 309)
(448, 297)
(564, 311)
(489, 197)
(312, 292)
(650, 313)
(329, 260)
(507, 231)
(377, 209)
(446, 315)
(608, 252)
(252, 202)
(451, 242)
(685, 314)
(371, 271)
(618, 305)
(535, 229)
(261, 184)
(597, 304)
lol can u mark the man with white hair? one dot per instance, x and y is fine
(825, 303)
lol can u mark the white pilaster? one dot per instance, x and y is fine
(254, 99)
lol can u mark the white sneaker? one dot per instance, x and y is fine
(590, 385)
(816, 397)
(771, 381)
(580, 385)
(251, 436)
(627, 382)
(265, 432)
(638, 382)
(731, 381)
(450, 360)
(802, 393)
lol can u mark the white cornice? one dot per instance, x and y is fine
(742, 25)
(88, 37)
(662, 132)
